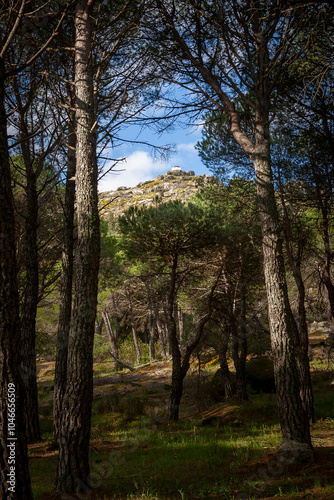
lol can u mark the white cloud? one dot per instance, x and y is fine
(138, 167)
(187, 147)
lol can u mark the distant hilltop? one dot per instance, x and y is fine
(175, 184)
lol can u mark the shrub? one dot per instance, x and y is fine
(131, 405)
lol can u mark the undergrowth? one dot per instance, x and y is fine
(136, 453)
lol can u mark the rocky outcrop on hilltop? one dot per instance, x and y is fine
(174, 185)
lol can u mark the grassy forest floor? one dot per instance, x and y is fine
(216, 451)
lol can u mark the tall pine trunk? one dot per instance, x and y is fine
(162, 339)
(113, 339)
(239, 355)
(177, 372)
(66, 279)
(284, 333)
(225, 376)
(31, 267)
(303, 359)
(10, 341)
(177, 375)
(134, 331)
(242, 340)
(73, 474)
(167, 328)
(283, 328)
(151, 328)
(306, 391)
(29, 308)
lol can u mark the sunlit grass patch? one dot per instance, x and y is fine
(136, 453)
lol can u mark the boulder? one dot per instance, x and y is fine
(292, 452)
(319, 333)
(218, 387)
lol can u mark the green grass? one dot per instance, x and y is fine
(180, 461)
(208, 457)
(137, 454)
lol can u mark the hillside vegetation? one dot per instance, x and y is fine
(173, 185)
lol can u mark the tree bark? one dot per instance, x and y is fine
(283, 328)
(115, 318)
(134, 332)
(29, 308)
(182, 324)
(160, 332)
(181, 364)
(73, 474)
(167, 329)
(177, 373)
(112, 337)
(10, 340)
(151, 327)
(225, 372)
(31, 270)
(177, 319)
(177, 377)
(239, 348)
(66, 279)
(98, 327)
(303, 362)
(152, 323)
(243, 337)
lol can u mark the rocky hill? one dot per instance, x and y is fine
(176, 184)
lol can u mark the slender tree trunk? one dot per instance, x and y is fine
(134, 332)
(306, 391)
(29, 311)
(284, 333)
(161, 336)
(239, 347)
(177, 319)
(98, 326)
(151, 326)
(112, 338)
(114, 306)
(73, 473)
(302, 361)
(31, 288)
(225, 372)
(182, 325)
(66, 280)
(167, 329)
(152, 322)
(181, 365)
(31, 268)
(10, 340)
(243, 339)
(177, 373)
(177, 378)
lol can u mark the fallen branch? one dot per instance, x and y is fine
(122, 363)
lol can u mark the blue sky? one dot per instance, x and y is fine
(141, 166)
